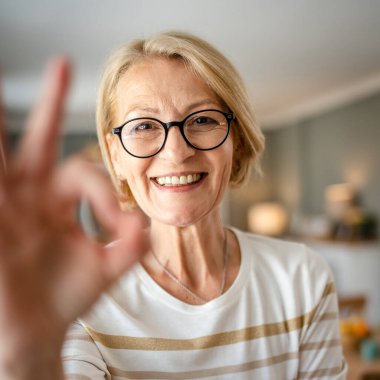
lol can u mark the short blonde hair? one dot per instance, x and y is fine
(206, 62)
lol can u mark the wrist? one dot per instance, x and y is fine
(24, 361)
(31, 367)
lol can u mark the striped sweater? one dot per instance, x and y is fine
(277, 321)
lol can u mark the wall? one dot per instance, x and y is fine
(342, 145)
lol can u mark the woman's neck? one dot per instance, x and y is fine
(195, 255)
(194, 251)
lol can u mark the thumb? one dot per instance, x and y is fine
(133, 242)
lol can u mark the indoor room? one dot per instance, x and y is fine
(311, 71)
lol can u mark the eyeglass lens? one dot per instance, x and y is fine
(203, 130)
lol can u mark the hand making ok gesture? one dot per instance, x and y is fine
(50, 271)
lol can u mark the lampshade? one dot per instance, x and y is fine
(268, 218)
(338, 199)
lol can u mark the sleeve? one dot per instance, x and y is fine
(81, 357)
(320, 349)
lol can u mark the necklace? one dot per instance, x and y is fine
(175, 279)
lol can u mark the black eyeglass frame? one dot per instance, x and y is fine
(180, 124)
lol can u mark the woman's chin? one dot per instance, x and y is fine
(178, 219)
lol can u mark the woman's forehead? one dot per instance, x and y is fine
(160, 83)
(157, 74)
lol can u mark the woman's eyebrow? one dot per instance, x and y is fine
(152, 110)
(202, 102)
(140, 108)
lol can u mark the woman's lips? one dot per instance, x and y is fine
(179, 181)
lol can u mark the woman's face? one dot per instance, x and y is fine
(167, 90)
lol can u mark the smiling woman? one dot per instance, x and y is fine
(176, 129)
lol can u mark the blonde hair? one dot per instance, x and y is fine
(206, 62)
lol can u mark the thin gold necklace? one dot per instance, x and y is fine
(175, 279)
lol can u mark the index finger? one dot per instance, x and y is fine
(38, 147)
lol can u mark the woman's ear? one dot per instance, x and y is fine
(114, 148)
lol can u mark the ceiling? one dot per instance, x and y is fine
(297, 57)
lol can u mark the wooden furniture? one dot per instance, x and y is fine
(359, 368)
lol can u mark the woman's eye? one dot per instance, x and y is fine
(204, 120)
(144, 127)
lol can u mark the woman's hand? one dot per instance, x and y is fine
(50, 271)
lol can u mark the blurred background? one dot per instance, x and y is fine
(312, 70)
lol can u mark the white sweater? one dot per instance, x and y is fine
(279, 320)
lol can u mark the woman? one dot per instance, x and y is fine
(205, 301)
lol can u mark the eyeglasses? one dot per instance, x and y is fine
(144, 137)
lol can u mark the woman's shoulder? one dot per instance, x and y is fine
(288, 273)
(285, 259)
(270, 247)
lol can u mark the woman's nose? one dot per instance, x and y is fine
(176, 148)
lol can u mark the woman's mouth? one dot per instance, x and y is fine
(182, 180)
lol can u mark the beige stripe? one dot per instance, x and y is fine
(319, 373)
(216, 340)
(83, 377)
(327, 316)
(77, 377)
(329, 289)
(320, 345)
(83, 337)
(220, 339)
(205, 372)
(91, 364)
(71, 357)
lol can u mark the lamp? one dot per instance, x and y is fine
(267, 218)
(339, 199)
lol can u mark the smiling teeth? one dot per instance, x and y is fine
(178, 180)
